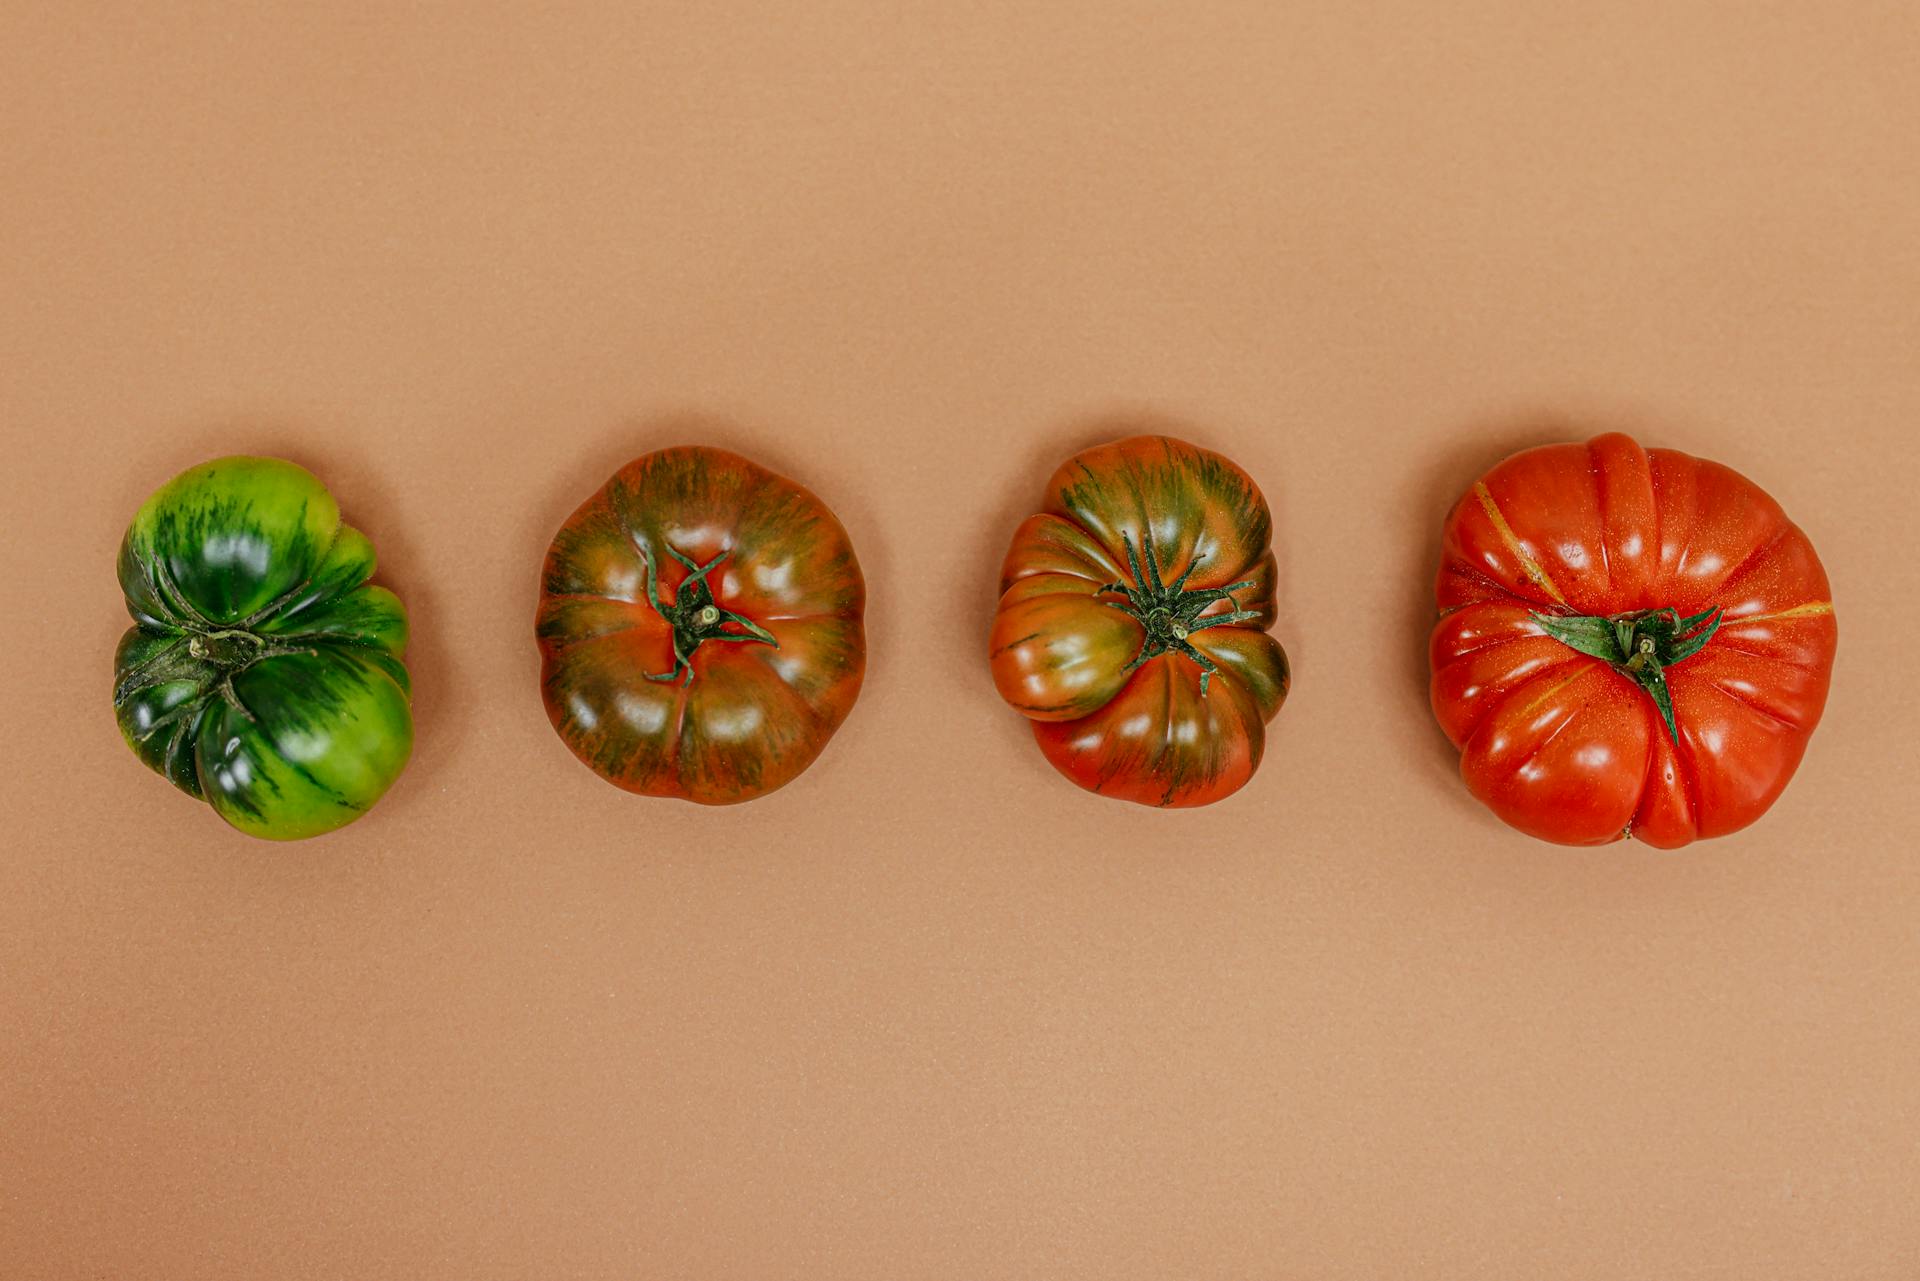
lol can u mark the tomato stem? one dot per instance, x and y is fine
(1640, 646)
(232, 650)
(695, 617)
(1169, 612)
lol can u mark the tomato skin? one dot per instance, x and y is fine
(751, 716)
(1563, 745)
(1063, 653)
(1060, 653)
(1160, 743)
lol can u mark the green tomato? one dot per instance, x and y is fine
(263, 672)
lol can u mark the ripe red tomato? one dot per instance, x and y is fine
(1632, 642)
(700, 628)
(1133, 618)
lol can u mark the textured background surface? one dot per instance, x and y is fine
(931, 1012)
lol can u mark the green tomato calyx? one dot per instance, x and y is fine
(1170, 613)
(1640, 646)
(695, 617)
(228, 650)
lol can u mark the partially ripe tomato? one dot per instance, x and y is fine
(1132, 628)
(1632, 642)
(700, 628)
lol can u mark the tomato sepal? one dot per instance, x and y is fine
(694, 616)
(1170, 612)
(1640, 646)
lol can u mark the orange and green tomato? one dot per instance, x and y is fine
(700, 626)
(1132, 625)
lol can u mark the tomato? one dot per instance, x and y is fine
(700, 628)
(1132, 627)
(1632, 642)
(263, 670)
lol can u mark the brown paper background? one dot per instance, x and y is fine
(931, 1012)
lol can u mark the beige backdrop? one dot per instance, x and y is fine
(931, 1012)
